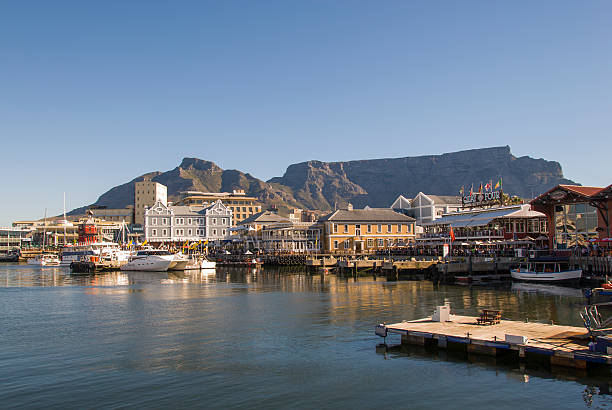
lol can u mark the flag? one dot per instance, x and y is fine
(130, 243)
(480, 188)
(499, 183)
(186, 244)
(144, 243)
(489, 185)
(472, 189)
(461, 190)
(452, 234)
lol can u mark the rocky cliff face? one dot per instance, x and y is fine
(323, 185)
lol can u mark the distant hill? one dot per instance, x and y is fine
(376, 182)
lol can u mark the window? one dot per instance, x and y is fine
(224, 221)
(399, 228)
(335, 244)
(380, 242)
(154, 232)
(335, 228)
(214, 221)
(543, 227)
(369, 228)
(370, 243)
(154, 221)
(214, 232)
(165, 221)
(346, 244)
(190, 232)
(389, 229)
(244, 209)
(379, 228)
(189, 221)
(224, 232)
(358, 230)
(345, 228)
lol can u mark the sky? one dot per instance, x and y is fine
(94, 94)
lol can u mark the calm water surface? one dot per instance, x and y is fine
(260, 339)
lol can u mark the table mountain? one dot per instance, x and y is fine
(377, 182)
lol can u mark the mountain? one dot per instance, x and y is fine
(377, 182)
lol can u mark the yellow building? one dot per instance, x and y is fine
(366, 230)
(242, 206)
(146, 193)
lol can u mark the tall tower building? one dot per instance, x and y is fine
(146, 193)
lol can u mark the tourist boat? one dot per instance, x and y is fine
(546, 270)
(95, 250)
(44, 260)
(152, 260)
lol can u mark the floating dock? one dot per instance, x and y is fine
(558, 345)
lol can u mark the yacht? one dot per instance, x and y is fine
(44, 260)
(153, 260)
(200, 263)
(98, 250)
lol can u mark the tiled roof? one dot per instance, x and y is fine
(582, 190)
(370, 214)
(262, 217)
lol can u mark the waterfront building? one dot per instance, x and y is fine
(366, 230)
(12, 238)
(147, 193)
(512, 223)
(302, 215)
(179, 223)
(249, 231)
(241, 205)
(292, 237)
(427, 207)
(577, 215)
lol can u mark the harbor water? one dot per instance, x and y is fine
(266, 338)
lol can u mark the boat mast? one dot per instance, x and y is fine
(44, 230)
(65, 221)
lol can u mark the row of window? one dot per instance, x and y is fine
(379, 228)
(380, 242)
(181, 232)
(531, 225)
(190, 221)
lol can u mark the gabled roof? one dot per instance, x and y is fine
(565, 193)
(263, 217)
(383, 215)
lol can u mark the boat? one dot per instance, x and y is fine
(44, 259)
(549, 270)
(179, 262)
(200, 263)
(152, 260)
(96, 250)
(11, 256)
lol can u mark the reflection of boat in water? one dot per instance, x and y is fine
(44, 259)
(547, 270)
(546, 289)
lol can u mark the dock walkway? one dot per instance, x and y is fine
(564, 345)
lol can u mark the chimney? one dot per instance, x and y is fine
(349, 207)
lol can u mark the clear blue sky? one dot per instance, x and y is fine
(94, 94)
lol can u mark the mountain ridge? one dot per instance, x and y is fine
(323, 185)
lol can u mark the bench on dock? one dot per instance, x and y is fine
(489, 317)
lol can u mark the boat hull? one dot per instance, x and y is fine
(148, 264)
(546, 277)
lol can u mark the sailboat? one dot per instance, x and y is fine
(43, 259)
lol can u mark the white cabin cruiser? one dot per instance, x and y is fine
(179, 262)
(97, 250)
(151, 260)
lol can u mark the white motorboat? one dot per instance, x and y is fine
(97, 250)
(200, 264)
(546, 270)
(179, 262)
(44, 260)
(152, 260)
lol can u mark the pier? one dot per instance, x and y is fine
(522, 341)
